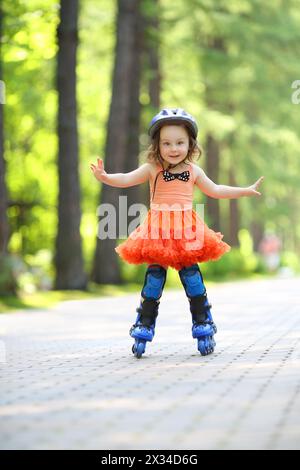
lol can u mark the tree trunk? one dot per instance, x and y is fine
(69, 261)
(4, 228)
(106, 267)
(217, 46)
(8, 282)
(152, 53)
(3, 192)
(133, 194)
(212, 167)
(234, 219)
(257, 233)
(151, 76)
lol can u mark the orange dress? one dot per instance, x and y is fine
(173, 233)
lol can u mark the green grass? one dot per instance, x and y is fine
(47, 299)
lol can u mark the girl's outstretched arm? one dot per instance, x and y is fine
(220, 191)
(121, 180)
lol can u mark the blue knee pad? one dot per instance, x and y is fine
(154, 282)
(192, 281)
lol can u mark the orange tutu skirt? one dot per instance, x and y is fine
(172, 238)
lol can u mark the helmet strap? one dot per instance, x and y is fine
(170, 166)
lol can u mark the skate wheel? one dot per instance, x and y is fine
(139, 348)
(206, 345)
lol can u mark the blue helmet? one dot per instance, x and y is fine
(169, 115)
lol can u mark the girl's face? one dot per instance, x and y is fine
(173, 144)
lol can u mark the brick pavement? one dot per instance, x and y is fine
(70, 381)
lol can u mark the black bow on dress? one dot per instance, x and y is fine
(184, 176)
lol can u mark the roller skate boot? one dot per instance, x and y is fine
(144, 328)
(203, 327)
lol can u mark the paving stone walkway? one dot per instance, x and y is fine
(70, 381)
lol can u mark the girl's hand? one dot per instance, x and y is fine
(252, 190)
(98, 170)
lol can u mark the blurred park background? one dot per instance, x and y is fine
(83, 78)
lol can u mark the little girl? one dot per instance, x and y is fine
(173, 234)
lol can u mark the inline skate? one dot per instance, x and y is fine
(143, 329)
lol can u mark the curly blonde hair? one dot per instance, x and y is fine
(153, 154)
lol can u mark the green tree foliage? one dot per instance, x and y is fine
(29, 49)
